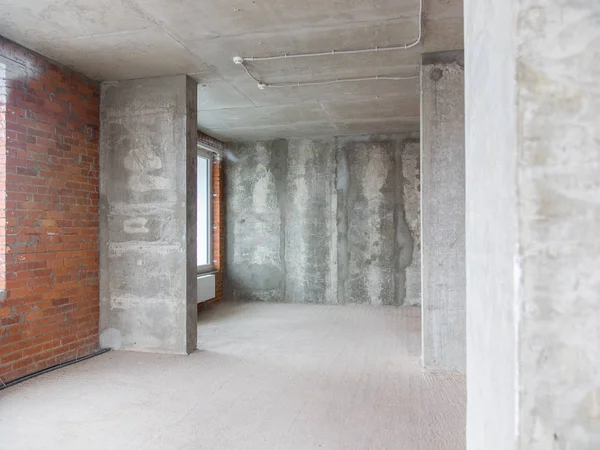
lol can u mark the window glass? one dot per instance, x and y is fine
(203, 224)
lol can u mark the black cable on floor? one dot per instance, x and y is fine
(50, 369)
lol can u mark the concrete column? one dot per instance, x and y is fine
(148, 215)
(443, 211)
(533, 221)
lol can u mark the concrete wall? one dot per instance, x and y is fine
(148, 215)
(533, 215)
(443, 219)
(323, 221)
(491, 225)
(310, 222)
(411, 171)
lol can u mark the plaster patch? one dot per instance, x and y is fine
(375, 177)
(262, 200)
(135, 226)
(141, 162)
(129, 301)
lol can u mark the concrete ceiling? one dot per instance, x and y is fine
(123, 39)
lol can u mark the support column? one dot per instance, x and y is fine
(533, 221)
(148, 215)
(443, 211)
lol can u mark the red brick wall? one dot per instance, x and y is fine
(218, 215)
(49, 119)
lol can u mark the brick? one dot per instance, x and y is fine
(48, 251)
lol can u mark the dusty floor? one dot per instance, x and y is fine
(268, 377)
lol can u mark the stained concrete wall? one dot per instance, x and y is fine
(411, 171)
(324, 221)
(533, 215)
(148, 215)
(310, 222)
(443, 214)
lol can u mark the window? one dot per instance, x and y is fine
(204, 222)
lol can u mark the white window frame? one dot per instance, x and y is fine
(206, 268)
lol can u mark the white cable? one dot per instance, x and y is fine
(250, 74)
(262, 85)
(338, 80)
(240, 61)
(345, 52)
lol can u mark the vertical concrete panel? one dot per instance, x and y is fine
(491, 224)
(342, 184)
(371, 234)
(558, 142)
(191, 98)
(146, 206)
(443, 216)
(411, 172)
(256, 193)
(533, 214)
(405, 202)
(310, 222)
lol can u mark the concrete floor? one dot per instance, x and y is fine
(269, 376)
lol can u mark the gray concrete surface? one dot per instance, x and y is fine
(268, 376)
(255, 221)
(148, 215)
(491, 226)
(309, 249)
(443, 215)
(323, 221)
(411, 172)
(533, 214)
(117, 40)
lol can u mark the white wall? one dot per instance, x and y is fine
(533, 221)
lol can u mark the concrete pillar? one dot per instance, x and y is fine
(533, 221)
(148, 215)
(443, 211)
